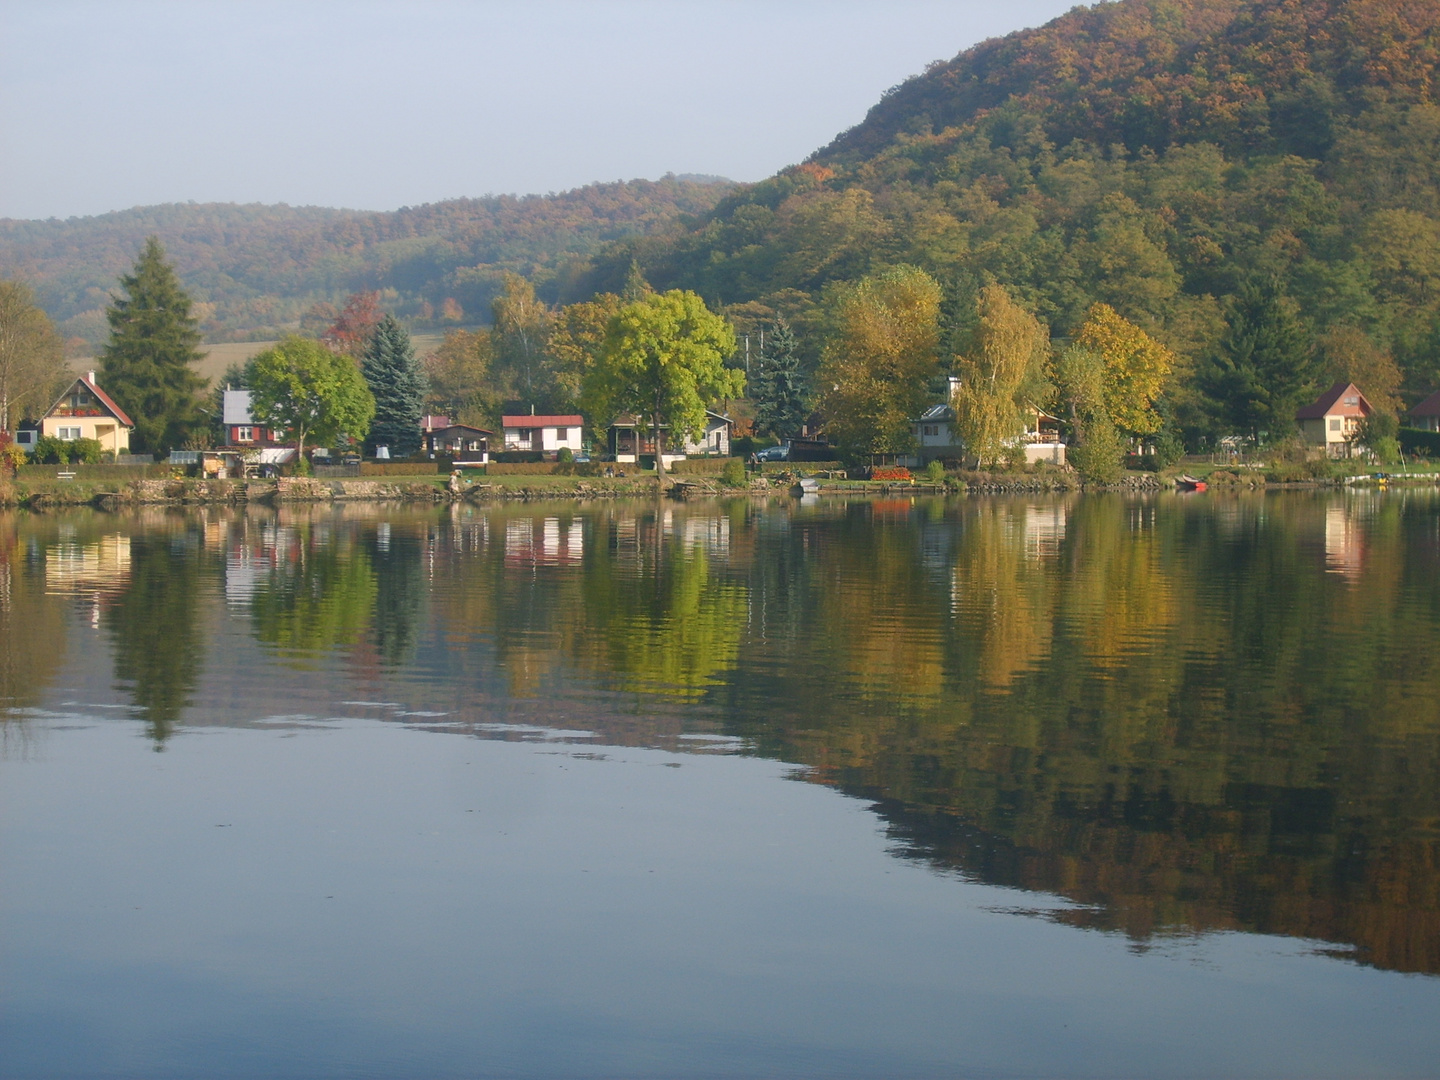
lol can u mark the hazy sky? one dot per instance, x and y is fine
(107, 105)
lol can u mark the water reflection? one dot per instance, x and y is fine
(1183, 714)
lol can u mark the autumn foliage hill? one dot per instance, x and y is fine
(255, 270)
(1153, 155)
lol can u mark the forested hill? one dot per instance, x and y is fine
(1151, 154)
(255, 270)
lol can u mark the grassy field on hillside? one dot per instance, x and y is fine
(220, 356)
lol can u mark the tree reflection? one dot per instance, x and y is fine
(319, 594)
(154, 627)
(32, 625)
(1179, 715)
(666, 624)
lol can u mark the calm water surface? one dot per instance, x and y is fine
(1085, 787)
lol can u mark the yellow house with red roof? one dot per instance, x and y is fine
(1333, 419)
(85, 411)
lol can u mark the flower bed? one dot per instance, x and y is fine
(891, 473)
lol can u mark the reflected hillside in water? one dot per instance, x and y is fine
(1182, 714)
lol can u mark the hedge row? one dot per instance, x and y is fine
(403, 468)
(1417, 440)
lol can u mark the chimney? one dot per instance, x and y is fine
(90, 377)
(954, 388)
(532, 410)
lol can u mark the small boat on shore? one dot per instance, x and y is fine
(805, 486)
(1186, 482)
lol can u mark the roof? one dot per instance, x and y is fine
(1429, 407)
(463, 427)
(542, 421)
(88, 382)
(235, 407)
(935, 413)
(1337, 401)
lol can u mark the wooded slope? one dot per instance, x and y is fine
(1151, 154)
(256, 269)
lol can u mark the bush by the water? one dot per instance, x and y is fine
(733, 473)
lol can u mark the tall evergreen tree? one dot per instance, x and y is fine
(396, 379)
(147, 364)
(1265, 369)
(779, 388)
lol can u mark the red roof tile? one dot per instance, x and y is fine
(101, 397)
(1331, 403)
(1429, 407)
(542, 421)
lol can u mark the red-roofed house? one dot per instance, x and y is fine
(1426, 415)
(85, 411)
(1333, 419)
(543, 434)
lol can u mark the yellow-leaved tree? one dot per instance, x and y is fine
(1136, 367)
(1010, 348)
(876, 366)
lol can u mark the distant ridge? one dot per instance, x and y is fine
(256, 269)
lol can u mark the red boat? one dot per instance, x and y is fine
(1187, 482)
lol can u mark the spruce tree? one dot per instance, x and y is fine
(1265, 369)
(146, 365)
(779, 389)
(398, 383)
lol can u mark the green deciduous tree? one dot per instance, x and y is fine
(577, 336)
(520, 325)
(459, 379)
(1095, 451)
(315, 394)
(779, 388)
(664, 361)
(147, 365)
(876, 367)
(30, 353)
(397, 383)
(1009, 344)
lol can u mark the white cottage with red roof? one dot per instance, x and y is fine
(1333, 419)
(85, 411)
(543, 434)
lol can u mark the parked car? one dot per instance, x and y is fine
(773, 453)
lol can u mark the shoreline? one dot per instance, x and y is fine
(62, 494)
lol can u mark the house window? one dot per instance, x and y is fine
(244, 434)
(1335, 424)
(67, 433)
(474, 444)
(525, 435)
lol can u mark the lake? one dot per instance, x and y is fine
(1086, 786)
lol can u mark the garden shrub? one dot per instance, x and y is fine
(733, 473)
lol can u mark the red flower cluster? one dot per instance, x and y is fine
(898, 473)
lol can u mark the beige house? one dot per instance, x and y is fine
(86, 412)
(1333, 419)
